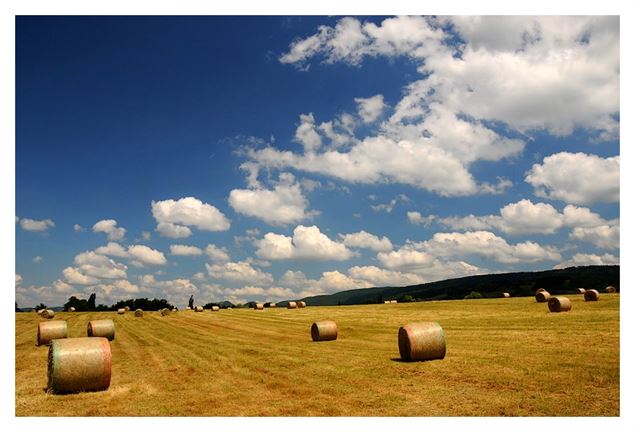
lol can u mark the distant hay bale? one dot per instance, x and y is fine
(272, 305)
(324, 331)
(559, 304)
(393, 301)
(121, 311)
(215, 308)
(39, 311)
(79, 364)
(259, 306)
(138, 313)
(591, 295)
(198, 309)
(386, 301)
(542, 296)
(165, 311)
(421, 341)
(188, 308)
(101, 328)
(175, 309)
(506, 295)
(610, 289)
(47, 314)
(301, 304)
(581, 290)
(71, 309)
(127, 308)
(49, 330)
(292, 305)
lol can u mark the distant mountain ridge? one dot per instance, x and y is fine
(517, 284)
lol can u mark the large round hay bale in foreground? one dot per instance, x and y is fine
(215, 308)
(165, 311)
(121, 311)
(506, 295)
(610, 289)
(49, 330)
(559, 304)
(79, 364)
(542, 296)
(301, 304)
(101, 328)
(292, 305)
(581, 290)
(198, 309)
(421, 341)
(324, 331)
(138, 313)
(591, 295)
(259, 306)
(127, 308)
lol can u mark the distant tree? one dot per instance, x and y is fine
(41, 306)
(473, 295)
(142, 303)
(17, 309)
(91, 301)
(190, 303)
(80, 305)
(209, 305)
(405, 298)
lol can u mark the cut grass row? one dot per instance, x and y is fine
(505, 357)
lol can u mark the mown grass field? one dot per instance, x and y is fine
(505, 357)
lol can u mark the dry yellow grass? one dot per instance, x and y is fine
(505, 357)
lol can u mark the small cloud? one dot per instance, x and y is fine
(35, 225)
(37, 259)
(79, 228)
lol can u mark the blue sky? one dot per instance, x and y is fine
(267, 158)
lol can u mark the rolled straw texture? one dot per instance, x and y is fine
(138, 313)
(542, 296)
(581, 290)
(324, 331)
(610, 289)
(301, 304)
(259, 306)
(292, 305)
(506, 295)
(215, 308)
(559, 304)
(165, 311)
(79, 364)
(421, 341)
(47, 314)
(49, 330)
(198, 309)
(121, 311)
(127, 308)
(101, 328)
(591, 295)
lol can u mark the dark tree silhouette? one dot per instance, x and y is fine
(191, 302)
(41, 306)
(91, 301)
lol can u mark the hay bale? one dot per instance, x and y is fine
(165, 311)
(71, 309)
(47, 314)
(581, 290)
(301, 304)
(393, 301)
(610, 289)
(49, 330)
(121, 311)
(540, 290)
(542, 296)
(259, 306)
(591, 295)
(323, 331)
(188, 308)
(215, 308)
(559, 304)
(79, 364)
(421, 341)
(127, 308)
(292, 305)
(138, 313)
(198, 309)
(272, 305)
(101, 328)
(506, 295)
(386, 301)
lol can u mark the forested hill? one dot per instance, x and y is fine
(489, 286)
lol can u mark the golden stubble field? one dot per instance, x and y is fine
(505, 357)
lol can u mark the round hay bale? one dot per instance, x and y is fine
(39, 311)
(421, 341)
(292, 305)
(101, 328)
(301, 304)
(127, 308)
(188, 308)
(47, 314)
(540, 290)
(71, 309)
(259, 306)
(542, 296)
(272, 305)
(323, 331)
(49, 330)
(591, 295)
(198, 309)
(165, 311)
(610, 289)
(175, 309)
(79, 364)
(386, 301)
(506, 295)
(215, 308)
(138, 313)
(581, 290)
(121, 311)
(393, 301)
(559, 304)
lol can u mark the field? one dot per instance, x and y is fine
(505, 357)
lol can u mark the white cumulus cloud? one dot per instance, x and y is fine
(362, 239)
(35, 225)
(175, 217)
(109, 226)
(307, 243)
(185, 250)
